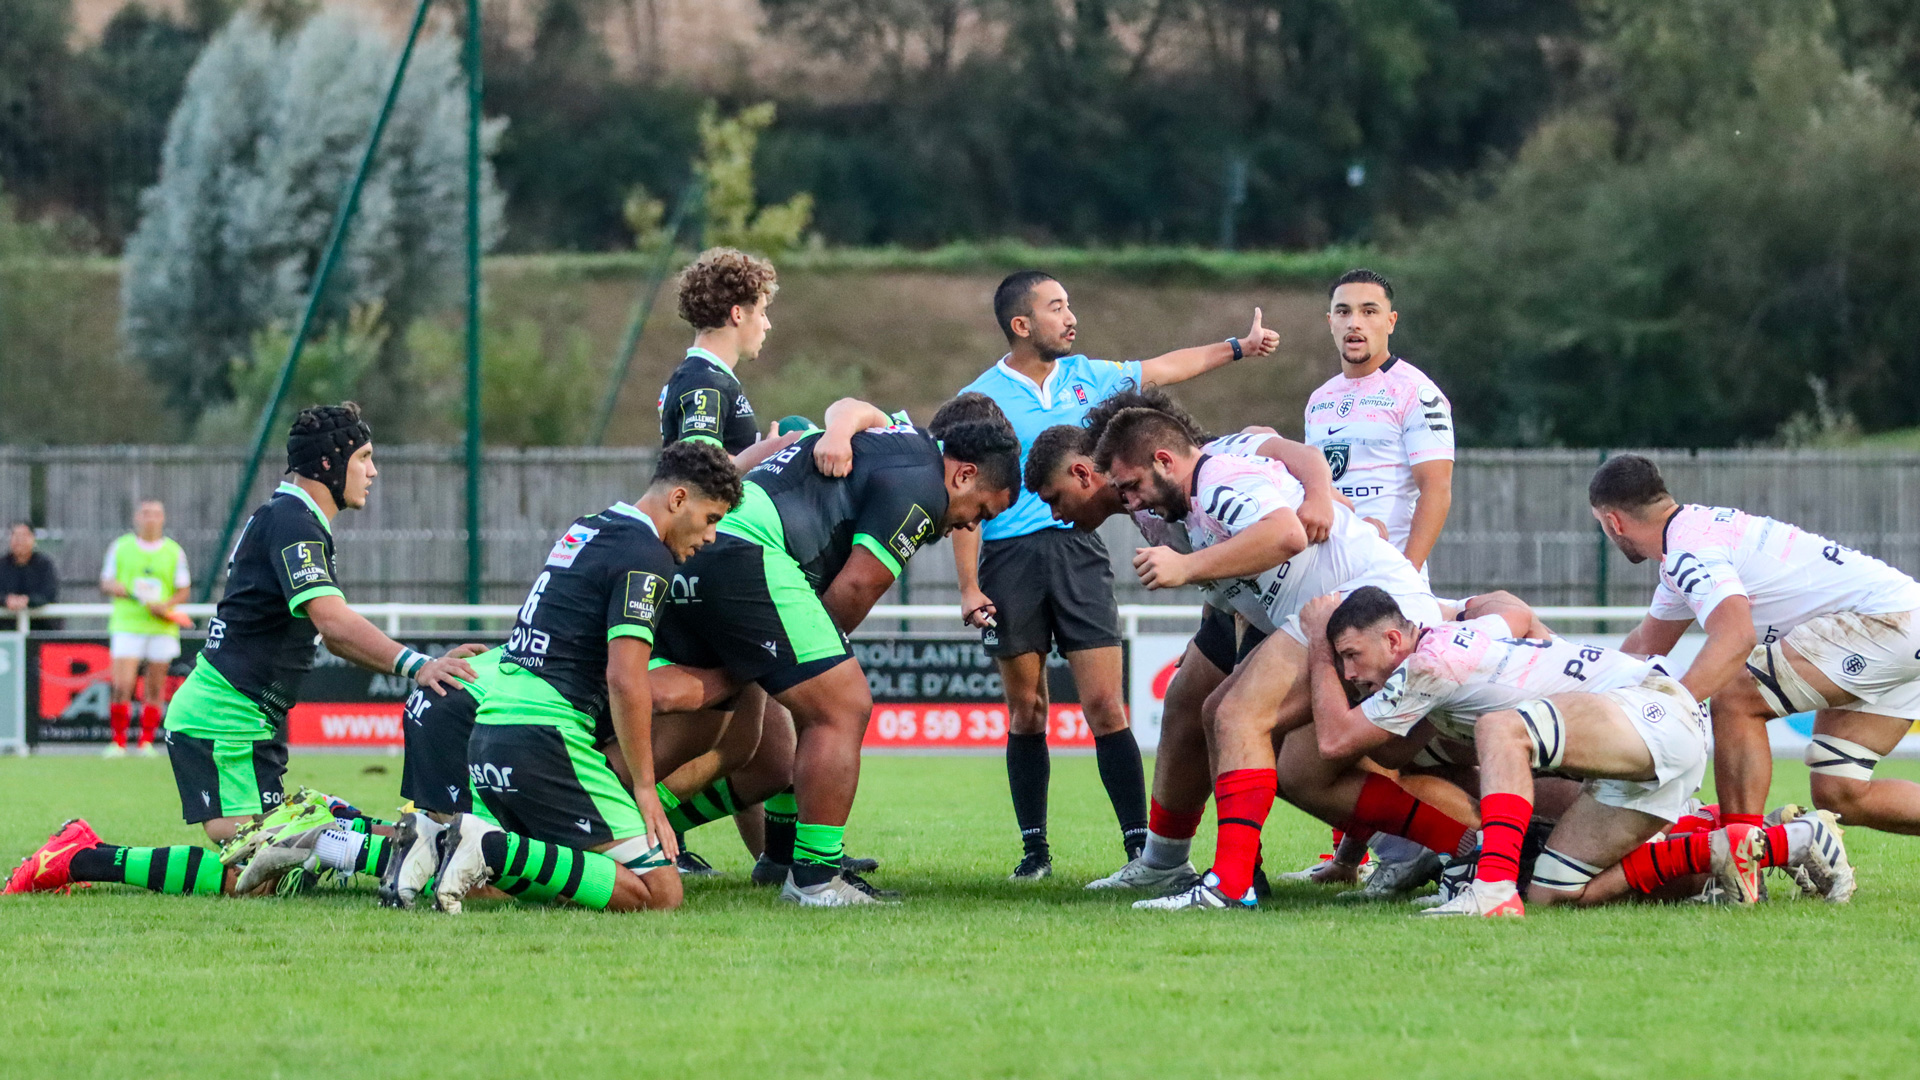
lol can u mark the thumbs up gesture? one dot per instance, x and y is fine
(1259, 341)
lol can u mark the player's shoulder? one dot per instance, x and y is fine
(287, 512)
(1238, 444)
(700, 369)
(904, 440)
(1694, 528)
(991, 382)
(1239, 472)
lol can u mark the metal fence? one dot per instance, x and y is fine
(1519, 519)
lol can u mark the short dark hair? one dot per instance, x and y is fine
(1010, 298)
(1050, 451)
(992, 448)
(1362, 276)
(964, 408)
(1363, 609)
(1133, 435)
(1626, 482)
(1143, 397)
(702, 466)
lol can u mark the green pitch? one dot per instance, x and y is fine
(972, 977)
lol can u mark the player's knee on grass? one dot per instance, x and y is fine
(220, 830)
(658, 889)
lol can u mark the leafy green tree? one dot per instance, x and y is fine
(1671, 258)
(734, 218)
(257, 158)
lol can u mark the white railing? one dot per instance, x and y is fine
(394, 616)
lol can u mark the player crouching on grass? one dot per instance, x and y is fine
(1530, 701)
(1061, 470)
(797, 567)
(557, 822)
(1240, 519)
(226, 725)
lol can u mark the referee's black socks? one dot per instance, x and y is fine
(1118, 756)
(1028, 771)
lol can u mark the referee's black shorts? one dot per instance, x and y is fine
(1051, 589)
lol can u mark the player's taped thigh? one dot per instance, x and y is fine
(1830, 755)
(638, 854)
(1546, 732)
(1561, 872)
(1784, 691)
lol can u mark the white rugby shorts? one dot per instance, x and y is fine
(1673, 726)
(147, 648)
(1876, 658)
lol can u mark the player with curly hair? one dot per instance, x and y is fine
(724, 295)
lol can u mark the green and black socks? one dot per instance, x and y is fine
(537, 871)
(178, 870)
(711, 803)
(783, 816)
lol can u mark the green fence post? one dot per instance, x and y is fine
(342, 219)
(475, 552)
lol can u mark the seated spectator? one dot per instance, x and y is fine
(27, 578)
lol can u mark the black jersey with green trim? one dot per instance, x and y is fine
(259, 639)
(703, 400)
(605, 578)
(891, 501)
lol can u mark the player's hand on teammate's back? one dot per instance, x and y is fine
(1161, 568)
(1378, 526)
(658, 827)
(1259, 341)
(445, 673)
(1313, 617)
(1316, 517)
(471, 648)
(833, 454)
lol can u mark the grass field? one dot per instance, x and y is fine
(973, 976)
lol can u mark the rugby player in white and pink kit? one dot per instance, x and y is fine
(1795, 623)
(1387, 433)
(1530, 701)
(1248, 545)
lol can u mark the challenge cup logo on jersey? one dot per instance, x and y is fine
(567, 548)
(644, 592)
(907, 538)
(306, 563)
(700, 411)
(1336, 458)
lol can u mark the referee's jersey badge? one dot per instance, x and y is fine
(1080, 393)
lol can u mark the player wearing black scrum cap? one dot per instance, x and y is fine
(226, 731)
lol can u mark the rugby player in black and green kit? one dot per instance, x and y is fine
(554, 822)
(226, 727)
(798, 566)
(724, 295)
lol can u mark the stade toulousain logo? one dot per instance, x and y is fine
(1854, 664)
(1336, 458)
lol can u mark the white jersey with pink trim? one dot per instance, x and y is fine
(1789, 575)
(1374, 430)
(1230, 494)
(1158, 531)
(1462, 671)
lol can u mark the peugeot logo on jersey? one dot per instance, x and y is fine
(1336, 458)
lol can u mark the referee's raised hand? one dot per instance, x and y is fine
(1259, 340)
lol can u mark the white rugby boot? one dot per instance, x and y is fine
(1154, 879)
(463, 866)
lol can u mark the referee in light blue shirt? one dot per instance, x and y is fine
(1032, 584)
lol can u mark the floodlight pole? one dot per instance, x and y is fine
(475, 553)
(342, 219)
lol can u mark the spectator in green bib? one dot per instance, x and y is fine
(146, 574)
